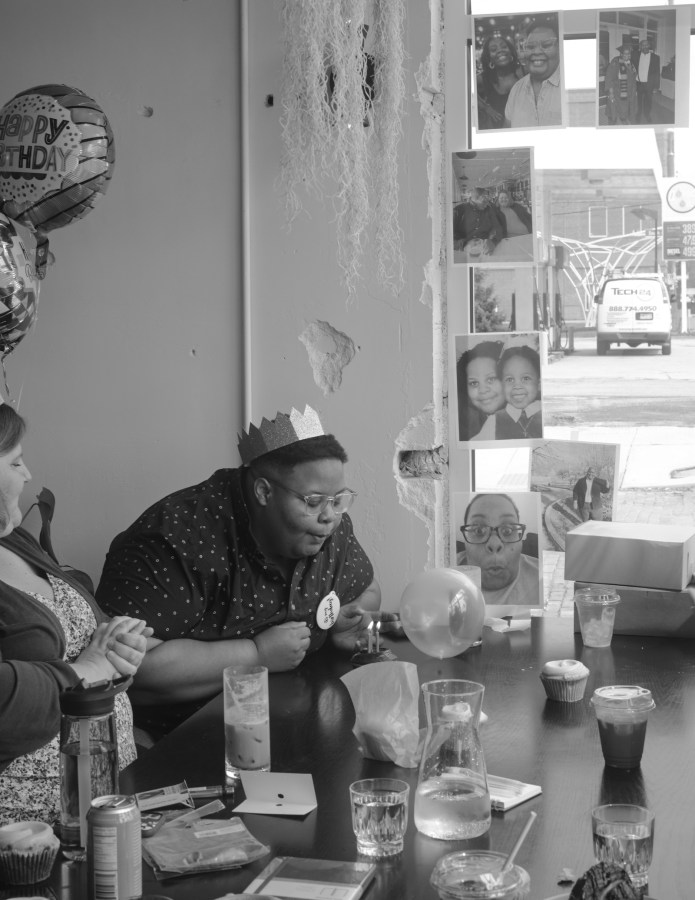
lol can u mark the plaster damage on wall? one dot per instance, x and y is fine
(422, 478)
(329, 352)
(421, 495)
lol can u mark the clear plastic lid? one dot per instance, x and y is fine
(623, 696)
(477, 875)
(599, 594)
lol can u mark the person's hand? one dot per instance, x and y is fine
(116, 648)
(127, 645)
(494, 116)
(282, 647)
(350, 627)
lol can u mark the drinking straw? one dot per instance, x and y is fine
(84, 779)
(519, 841)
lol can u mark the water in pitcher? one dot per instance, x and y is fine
(452, 808)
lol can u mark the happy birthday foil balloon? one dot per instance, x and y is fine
(56, 156)
(19, 283)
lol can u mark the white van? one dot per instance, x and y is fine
(633, 310)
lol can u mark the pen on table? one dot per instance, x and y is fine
(210, 790)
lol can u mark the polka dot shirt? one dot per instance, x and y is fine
(190, 567)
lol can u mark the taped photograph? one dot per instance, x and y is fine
(576, 481)
(499, 534)
(498, 388)
(503, 299)
(492, 207)
(518, 72)
(643, 68)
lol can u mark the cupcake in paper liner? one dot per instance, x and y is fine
(27, 852)
(564, 680)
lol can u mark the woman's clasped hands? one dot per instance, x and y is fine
(116, 649)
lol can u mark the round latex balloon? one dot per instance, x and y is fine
(442, 612)
(19, 283)
(56, 156)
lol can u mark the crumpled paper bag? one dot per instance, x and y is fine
(385, 697)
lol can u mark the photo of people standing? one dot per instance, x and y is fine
(519, 71)
(577, 481)
(492, 206)
(498, 386)
(637, 71)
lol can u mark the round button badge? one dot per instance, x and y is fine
(327, 611)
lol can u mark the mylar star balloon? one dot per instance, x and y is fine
(19, 283)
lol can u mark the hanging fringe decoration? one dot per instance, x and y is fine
(341, 123)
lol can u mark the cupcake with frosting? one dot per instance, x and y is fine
(27, 852)
(564, 680)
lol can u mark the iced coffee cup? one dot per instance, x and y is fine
(246, 721)
(622, 711)
(596, 611)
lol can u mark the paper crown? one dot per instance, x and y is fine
(283, 430)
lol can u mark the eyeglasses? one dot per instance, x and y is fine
(315, 504)
(533, 46)
(480, 534)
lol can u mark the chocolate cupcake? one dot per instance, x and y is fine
(604, 881)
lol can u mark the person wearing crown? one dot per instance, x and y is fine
(255, 565)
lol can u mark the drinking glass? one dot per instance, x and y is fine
(596, 611)
(379, 815)
(246, 721)
(624, 835)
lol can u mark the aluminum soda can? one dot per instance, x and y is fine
(114, 848)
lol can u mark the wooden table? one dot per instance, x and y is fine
(527, 737)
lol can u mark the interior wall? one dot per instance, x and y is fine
(295, 285)
(131, 380)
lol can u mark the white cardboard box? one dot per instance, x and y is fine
(648, 556)
(646, 611)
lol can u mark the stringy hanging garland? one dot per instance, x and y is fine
(341, 123)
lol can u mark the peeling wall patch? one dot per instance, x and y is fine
(329, 351)
(422, 463)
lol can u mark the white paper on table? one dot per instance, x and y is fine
(505, 625)
(277, 794)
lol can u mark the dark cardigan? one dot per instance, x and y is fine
(32, 645)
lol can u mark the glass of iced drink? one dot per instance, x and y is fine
(624, 834)
(596, 611)
(622, 711)
(379, 815)
(478, 875)
(246, 721)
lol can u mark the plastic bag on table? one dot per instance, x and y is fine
(183, 847)
(385, 697)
